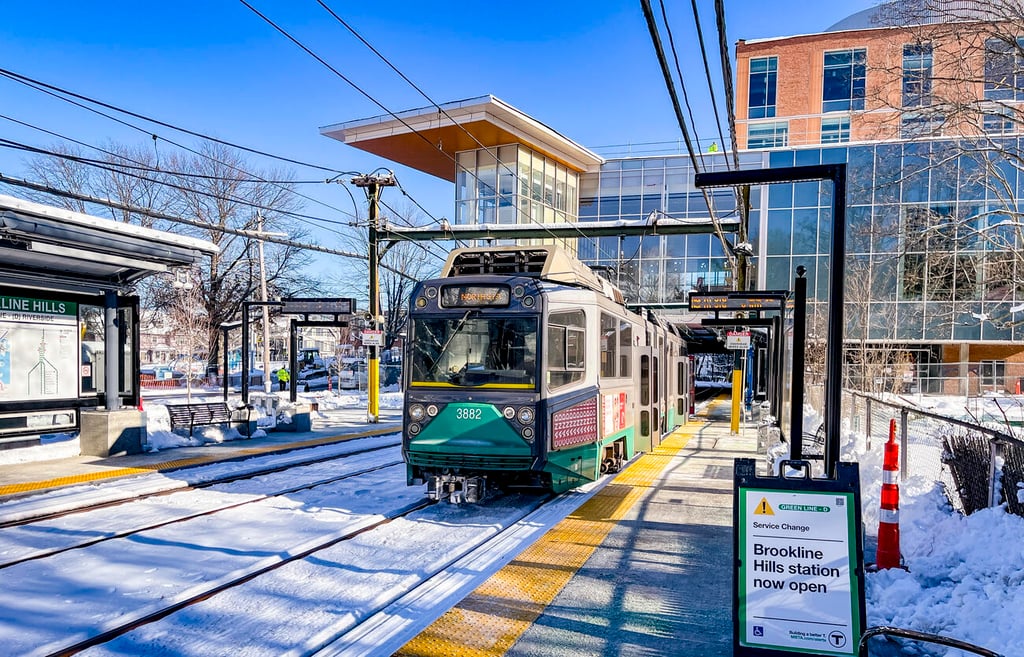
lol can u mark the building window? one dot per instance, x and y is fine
(835, 129)
(768, 135)
(763, 73)
(992, 372)
(933, 267)
(1004, 70)
(512, 184)
(917, 75)
(915, 124)
(1001, 121)
(843, 84)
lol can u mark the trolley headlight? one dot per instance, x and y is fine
(528, 302)
(416, 412)
(432, 410)
(526, 415)
(431, 292)
(518, 291)
(508, 412)
(414, 429)
(421, 302)
(528, 433)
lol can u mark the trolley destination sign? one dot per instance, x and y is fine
(798, 580)
(764, 300)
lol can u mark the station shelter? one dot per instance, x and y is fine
(69, 323)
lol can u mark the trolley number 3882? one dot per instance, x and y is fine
(469, 414)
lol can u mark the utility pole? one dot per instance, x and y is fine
(267, 384)
(372, 185)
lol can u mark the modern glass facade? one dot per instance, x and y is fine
(657, 268)
(931, 256)
(513, 184)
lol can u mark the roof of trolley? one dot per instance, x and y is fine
(546, 262)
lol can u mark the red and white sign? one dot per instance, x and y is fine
(373, 338)
(737, 340)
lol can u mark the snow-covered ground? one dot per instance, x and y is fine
(964, 575)
(158, 423)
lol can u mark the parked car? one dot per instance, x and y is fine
(353, 376)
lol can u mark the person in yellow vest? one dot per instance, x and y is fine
(282, 378)
(713, 148)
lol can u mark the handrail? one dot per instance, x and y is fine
(862, 648)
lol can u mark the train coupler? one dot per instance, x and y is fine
(457, 489)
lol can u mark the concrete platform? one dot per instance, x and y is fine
(643, 568)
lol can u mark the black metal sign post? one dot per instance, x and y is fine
(340, 308)
(798, 554)
(837, 261)
(246, 305)
(796, 421)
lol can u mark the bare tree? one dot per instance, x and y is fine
(190, 325)
(214, 185)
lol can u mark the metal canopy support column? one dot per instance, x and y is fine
(246, 305)
(837, 260)
(112, 345)
(225, 328)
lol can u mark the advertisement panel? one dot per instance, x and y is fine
(39, 349)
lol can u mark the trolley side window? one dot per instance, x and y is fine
(566, 348)
(616, 347)
(609, 345)
(625, 349)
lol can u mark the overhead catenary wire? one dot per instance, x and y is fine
(367, 95)
(117, 169)
(679, 74)
(670, 84)
(252, 234)
(25, 79)
(56, 92)
(707, 73)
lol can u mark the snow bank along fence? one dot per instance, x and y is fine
(978, 466)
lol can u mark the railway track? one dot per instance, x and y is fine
(60, 503)
(341, 529)
(374, 599)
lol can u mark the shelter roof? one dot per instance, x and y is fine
(428, 138)
(52, 248)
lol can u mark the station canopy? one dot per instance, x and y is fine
(47, 247)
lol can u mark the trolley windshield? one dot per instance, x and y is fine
(474, 351)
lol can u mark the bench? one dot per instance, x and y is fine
(201, 413)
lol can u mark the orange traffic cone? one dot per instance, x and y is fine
(888, 554)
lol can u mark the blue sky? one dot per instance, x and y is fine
(586, 69)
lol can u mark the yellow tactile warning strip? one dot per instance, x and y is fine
(163, 466)
(492, 618)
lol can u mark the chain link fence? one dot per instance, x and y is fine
(978, 466)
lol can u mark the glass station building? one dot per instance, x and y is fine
(934, 237)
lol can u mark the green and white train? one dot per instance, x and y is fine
(524, 368)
